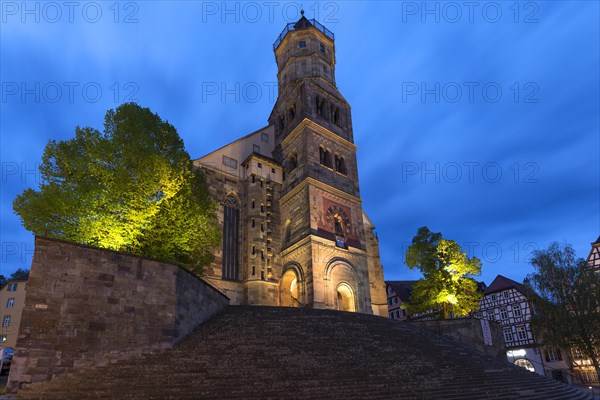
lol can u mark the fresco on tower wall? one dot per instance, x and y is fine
(337, 222)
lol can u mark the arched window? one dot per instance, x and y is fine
(320, 102)
(231, 233)
(340, 165)
(325, 157)
(287, 234)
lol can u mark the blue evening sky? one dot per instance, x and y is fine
(479, 120)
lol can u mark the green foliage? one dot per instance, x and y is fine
(20, 274)
(565, 293)
(446, 283)
(131, 187)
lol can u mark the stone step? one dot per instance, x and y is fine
(285, 353)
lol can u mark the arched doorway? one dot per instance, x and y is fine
(345, 298)
(288, 289)
(523, 363)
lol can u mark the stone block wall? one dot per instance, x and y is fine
(469, 333)
(88, 307)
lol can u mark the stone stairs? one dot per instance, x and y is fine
(250, 352)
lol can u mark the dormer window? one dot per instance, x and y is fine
(302, 44)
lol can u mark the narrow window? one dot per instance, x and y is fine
(253, 224)
(320, 106)
(253, 204)
(231, 217)
(259, 164)
(253, 250)
(340, 165)
(335, 115)
(12, 287)
(6, 321)
(264, 137)
(508, 337)
(517, 310)
(272, 170)
(288, 232)
(10, 303)
(253, 270)
(327, 159)
(322, 47)
(256, 149)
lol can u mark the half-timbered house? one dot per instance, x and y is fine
(505, 301)
(583, 369)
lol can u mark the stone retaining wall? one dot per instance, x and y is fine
(469, 333)
(87, 307)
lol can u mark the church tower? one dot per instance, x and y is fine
(326, 237)
(294, 231)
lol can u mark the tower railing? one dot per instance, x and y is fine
(291, 27)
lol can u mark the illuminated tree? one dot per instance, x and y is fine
(566, 299)
(446, 284)
(131, 188)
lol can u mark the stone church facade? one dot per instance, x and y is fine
(294, 231)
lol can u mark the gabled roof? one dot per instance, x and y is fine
(402, 288)
(502, 283)
(597, 241)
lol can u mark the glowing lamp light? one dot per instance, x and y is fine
(516, 353)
